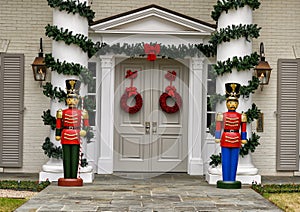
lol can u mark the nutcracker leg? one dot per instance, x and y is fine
(67, 160)
(226, 163)
(234, 163)
(74, 160)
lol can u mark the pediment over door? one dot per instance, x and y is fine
(152, 19)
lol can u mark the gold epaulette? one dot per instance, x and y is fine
(219, 117)
(59, 114)
(244, 117)
(85, 114)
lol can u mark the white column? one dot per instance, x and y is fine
(71, 54)
(196, 129)
(105, 160)
(246, 172)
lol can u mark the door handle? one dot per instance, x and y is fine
(147, 127)
(154, 127)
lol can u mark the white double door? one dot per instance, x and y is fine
(150, 140)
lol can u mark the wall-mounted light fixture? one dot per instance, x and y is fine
(263, 69)
(39, 67)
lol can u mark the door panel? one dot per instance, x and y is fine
(164, 147)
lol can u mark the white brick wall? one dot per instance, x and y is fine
(280, 31)
(23, 22)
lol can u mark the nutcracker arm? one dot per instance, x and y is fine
(244, 128)
(58, 124)
(219, 120)
(85, 116)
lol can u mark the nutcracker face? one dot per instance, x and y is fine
(232, 104)
(72, 102)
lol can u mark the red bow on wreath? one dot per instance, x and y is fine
(131, 74)
(151, 51)
(131, 91)
(170, 90)
(171, 75)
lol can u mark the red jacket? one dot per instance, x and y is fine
(68, 125)
(232, 123)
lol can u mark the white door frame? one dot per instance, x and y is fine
(196, 126)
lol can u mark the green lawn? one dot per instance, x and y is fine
(285, 196)
(10, 204)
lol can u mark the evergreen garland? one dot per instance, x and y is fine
(209, 50)
(225, 6)
(49, 119)
(137, 50)
(73, 6)
(51, 92)
(235, 32)
(66, 68)
(86, 44)
(251, 145)
(250, 88)
(252, 113)
(240, 63)
(51, 150)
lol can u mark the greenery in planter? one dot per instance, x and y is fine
(276, 188)
(23, 185)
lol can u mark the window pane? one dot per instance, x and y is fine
(210, 119)
(92, 118)
(92, 89)
(92, 68)
(211, 87)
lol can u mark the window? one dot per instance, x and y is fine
(92, 93)
(211, 89)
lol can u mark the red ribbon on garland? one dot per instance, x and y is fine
(151, 51)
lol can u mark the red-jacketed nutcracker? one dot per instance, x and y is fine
(231, 139)
(68, 131)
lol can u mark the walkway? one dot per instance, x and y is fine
(167, 192)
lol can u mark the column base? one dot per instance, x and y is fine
(70, 182)
(244, 179)
(229, 184)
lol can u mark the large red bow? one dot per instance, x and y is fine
(131, 74)
(171, 75)
(151, 51)
(170, 90)
(131, 91)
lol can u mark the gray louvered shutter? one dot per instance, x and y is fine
(11, 109)
(288, 114)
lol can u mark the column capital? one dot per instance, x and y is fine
(197, 63)
(106, 61)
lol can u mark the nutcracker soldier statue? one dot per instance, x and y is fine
(231, 138)
(69, 123)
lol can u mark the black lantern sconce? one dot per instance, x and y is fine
(263, 69)
(39, 67)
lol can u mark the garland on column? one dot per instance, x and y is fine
(240, 64)
(72, 6)
(75, 7)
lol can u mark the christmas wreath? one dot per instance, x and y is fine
(164, 106)
(170, 93)
(131, 91)
(133, 109)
